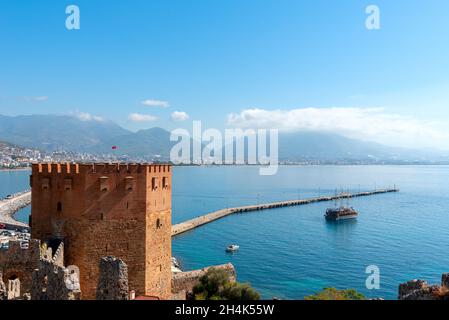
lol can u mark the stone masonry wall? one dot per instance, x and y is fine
(3, 292)
(20, 262)
(113, 282)
(52, 280)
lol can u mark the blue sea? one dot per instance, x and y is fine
(292, 252)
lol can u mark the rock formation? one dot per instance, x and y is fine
(421, 290)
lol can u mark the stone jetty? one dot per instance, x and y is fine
(208, 218)
(9, 206)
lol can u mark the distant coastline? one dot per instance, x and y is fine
(318, 164)
(342, 164)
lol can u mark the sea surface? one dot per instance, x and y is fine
(292, 252)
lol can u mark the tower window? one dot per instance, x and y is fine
(104, 184)
(45, 183)
(154, 183)
(68, 184)
(165, 182)
(59, 207)
(158, 224)
(129, 183)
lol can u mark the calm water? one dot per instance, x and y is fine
(12, 182)
(293, 252)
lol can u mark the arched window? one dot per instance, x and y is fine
(59, 207)
(158, 223)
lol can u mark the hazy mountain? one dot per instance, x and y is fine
(149, 143)
(55, 132)
(51, 132)
(330, 146)
(4, 145)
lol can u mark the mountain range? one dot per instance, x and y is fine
(69, 133)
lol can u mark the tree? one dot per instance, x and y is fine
(334, 294)
(216, 285)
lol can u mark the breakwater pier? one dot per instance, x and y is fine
(210, 217)
(10, 205)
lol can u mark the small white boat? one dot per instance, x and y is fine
(232, 248)
(175, 262)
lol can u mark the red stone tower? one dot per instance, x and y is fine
(123, 210)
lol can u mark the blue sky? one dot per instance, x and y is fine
(234, 62)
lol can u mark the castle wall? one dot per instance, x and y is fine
(3, 291)
(54, 282)
(107, 209)
(158, 237)
(18, 262)
(113, 282)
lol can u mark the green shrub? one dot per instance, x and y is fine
(216, 285)
(334, 294)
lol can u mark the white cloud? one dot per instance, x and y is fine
(155, 103)
(137, 117)
(371, 124)
(84, 116)
(36, 99)
(179, 116)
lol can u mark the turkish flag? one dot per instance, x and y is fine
(114, 148)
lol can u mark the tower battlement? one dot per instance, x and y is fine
(67, 177)
(75, 168)
(47, 168)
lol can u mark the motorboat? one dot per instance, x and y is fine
(232, 248)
